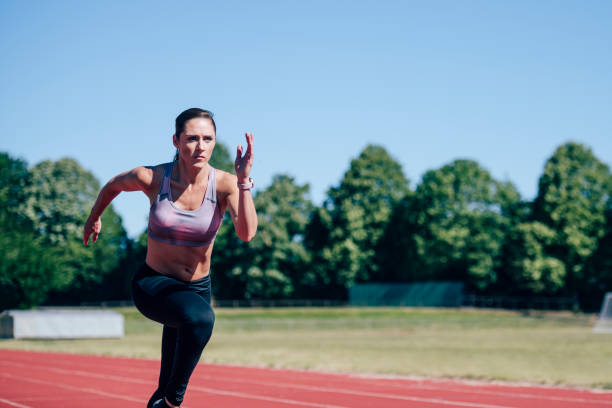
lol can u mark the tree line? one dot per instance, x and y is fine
(459, 223)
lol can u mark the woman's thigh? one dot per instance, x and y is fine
(168, 301)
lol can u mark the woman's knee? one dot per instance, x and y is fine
(202, 321)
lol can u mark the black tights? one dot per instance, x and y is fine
(184, 310)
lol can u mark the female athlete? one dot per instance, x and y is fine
(188, 199)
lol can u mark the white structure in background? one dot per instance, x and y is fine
(604, 323)
(60, 324)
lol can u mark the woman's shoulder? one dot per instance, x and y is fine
(149, 177)
(150, 171)
(154, 169)
(226, 182)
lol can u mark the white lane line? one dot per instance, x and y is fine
(509, 394)
(373, 394)
(413, 399)
(287, 401)
(78, 372)
(71, 388)
(412, 384)
(417, 387)
(263, 398)
(132, 380)
(59, 398)
(14, 404)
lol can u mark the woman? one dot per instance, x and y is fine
(188, 199)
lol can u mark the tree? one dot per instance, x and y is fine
(58, 201)
(598, 269)
(573, 196)
(269, 265)
(14, 178)
(527, 267)
(396, 254)
(114, 285)
(343, 235)
(221, 158)
(453, 226)
(22, 257)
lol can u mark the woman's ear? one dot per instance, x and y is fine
(175, 141)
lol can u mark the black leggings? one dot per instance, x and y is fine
(184, 310)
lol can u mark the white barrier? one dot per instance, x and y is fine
(60, 324)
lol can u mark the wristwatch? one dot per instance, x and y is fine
(246, 186)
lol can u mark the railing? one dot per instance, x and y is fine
(109, 303)
(280, 303)
(520, 303)
(239, 303)
(494, 302)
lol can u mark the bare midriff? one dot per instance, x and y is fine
(181, 262)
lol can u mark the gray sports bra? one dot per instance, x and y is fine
(172, 225)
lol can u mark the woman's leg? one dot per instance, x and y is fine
(185, 308)
(193, 335)
(168, 349)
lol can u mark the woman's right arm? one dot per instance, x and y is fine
(138, 179)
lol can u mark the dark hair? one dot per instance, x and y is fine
(190, 113)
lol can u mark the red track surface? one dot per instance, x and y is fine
(45, 380)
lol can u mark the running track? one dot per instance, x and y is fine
(51, 380)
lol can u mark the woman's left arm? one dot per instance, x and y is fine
(240, 200)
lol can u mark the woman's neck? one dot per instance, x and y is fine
(191, 175)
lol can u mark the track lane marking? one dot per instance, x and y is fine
(382, 395)
(132, 380)
(14, 404)
(510, 394)
(411, 384)
(273, 399)
(72, 388)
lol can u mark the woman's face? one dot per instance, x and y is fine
(195, 145)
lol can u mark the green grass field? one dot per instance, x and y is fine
(541, 347)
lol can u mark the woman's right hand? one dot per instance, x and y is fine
(92, 226)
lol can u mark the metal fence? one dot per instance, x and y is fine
(476, 301)
(520, 303)
(280, 303)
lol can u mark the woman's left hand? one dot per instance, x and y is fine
(243, 164)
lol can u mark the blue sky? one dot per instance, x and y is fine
(500, 82)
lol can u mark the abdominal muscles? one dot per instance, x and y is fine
(182, 262)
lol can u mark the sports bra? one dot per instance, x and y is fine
(172, 225)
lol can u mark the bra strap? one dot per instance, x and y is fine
(165, 184)
(212, 185)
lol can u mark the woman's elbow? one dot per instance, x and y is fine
(247, 236)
